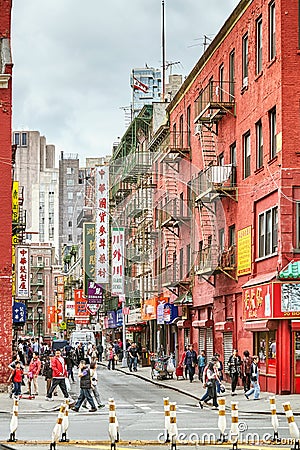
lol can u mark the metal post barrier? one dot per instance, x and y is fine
(222, 420)
(113, 427)
(173, 431)
(274, 419)
(234, 430)
(14, 422)
(57, 429)
(65, 423)
(294, 430)
(167, 418)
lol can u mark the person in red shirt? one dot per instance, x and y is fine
(34, 369)
(16, 378)
(59, 375)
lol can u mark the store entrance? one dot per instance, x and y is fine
(296, 360)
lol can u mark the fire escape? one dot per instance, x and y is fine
(215, 181)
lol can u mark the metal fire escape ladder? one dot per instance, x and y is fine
(208, 144)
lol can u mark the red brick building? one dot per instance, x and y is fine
(235, 126)
(6, 187)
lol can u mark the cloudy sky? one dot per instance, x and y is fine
(72, 63)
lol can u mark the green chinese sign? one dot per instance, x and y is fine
(89, 257)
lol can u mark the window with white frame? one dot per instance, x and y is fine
(272, 127)
(70, 182)
(231, 73)
(70, 195)
(268, 232)
(298, 225)
(17, 138)
(24, 139)
(245, 59)
(247, 154)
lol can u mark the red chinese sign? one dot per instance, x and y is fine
(22, 272)
(258, 302)
(80, 304)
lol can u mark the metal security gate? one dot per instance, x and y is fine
(201, 340)
(227, 346)
(209, 344)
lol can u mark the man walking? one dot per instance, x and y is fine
(190, 362)
(59, 375)
(85, 387)
(133, 357)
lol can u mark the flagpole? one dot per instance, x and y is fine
(163, 52)
(132, 104)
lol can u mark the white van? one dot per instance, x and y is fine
(84, 336)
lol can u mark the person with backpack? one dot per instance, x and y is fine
(246, 370)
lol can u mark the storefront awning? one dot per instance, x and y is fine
(261, 325)
(183, 299)
(183, 323)
(179, 300)
(260, 279)
(291, 272)
(202, 323)
(224, 326)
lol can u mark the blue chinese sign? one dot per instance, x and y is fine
(111, 319)
(19, 312)
(170, 312)
(119, 318)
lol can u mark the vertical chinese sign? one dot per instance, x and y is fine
(15, 237)
(102, 224)
(81, 313)
(117, 261)
(60, 298)
(50, 317)
(244, 251)
(88, 254)
(22, 273)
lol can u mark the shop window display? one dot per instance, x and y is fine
(265, 348)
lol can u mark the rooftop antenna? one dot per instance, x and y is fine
(170, 64)
(127, 115)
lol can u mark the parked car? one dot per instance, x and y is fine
(59, 344)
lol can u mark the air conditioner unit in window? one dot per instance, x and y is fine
(198, 129)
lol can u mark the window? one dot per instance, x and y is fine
(188, 260)
(245, 60)
(265, 348)
(298, 225)
(70, 195)
(70, 223)
(221, 81)
(40, 261)
(258, 45)
(247, 154)
(24, 139)
(181, 131)
(231, 73)
(188, 119)
(231, 244)
(180, 265)
(221, 240)
(17, 138)
(272, 127)
(233, 162)
(70, 209)
(70, 170)
(272, 31)
(259, 145)
(70, 182)
(221, 160)
(174, 135)
(267, 232)
(70, 238)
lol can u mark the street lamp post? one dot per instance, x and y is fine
(39, 311)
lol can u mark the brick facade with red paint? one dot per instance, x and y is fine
(267, 98)
(5, 190)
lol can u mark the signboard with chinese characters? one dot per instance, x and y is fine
(80, 307)
(288, 303)
(117, 261)
(69, 308)
(19, 313)
(258, 302)
(22, 272)
(160, 313)
(50, 316)
(89, 247)
(95, 293)
(244, 251)
(60, 297)
(102, 224)
(134, 316)
(111, 319)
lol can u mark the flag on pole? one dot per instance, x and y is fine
(137, 84)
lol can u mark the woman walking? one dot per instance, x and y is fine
(210, 379)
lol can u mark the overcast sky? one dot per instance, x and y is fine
(72, 61)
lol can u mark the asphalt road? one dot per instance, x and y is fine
(139, 409)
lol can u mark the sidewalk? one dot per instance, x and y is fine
(195, 390)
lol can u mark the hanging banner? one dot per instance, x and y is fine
(22, 273)
(170, 312)
(19, 313)
(244, 251)
(89, 247)
(117, 261)
(50, 316)
(92, 308)
(160, 313)
(111, 319)
(69, 308)
(80, 303)
(102, 224)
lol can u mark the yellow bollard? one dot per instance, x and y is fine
(274, 419)
(57, 429)
(167, 418)
(294, 430)
(173, 431)
(234, 430)
(222, 419)
(14, 422)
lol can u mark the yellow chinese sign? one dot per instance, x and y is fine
(244, 251)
